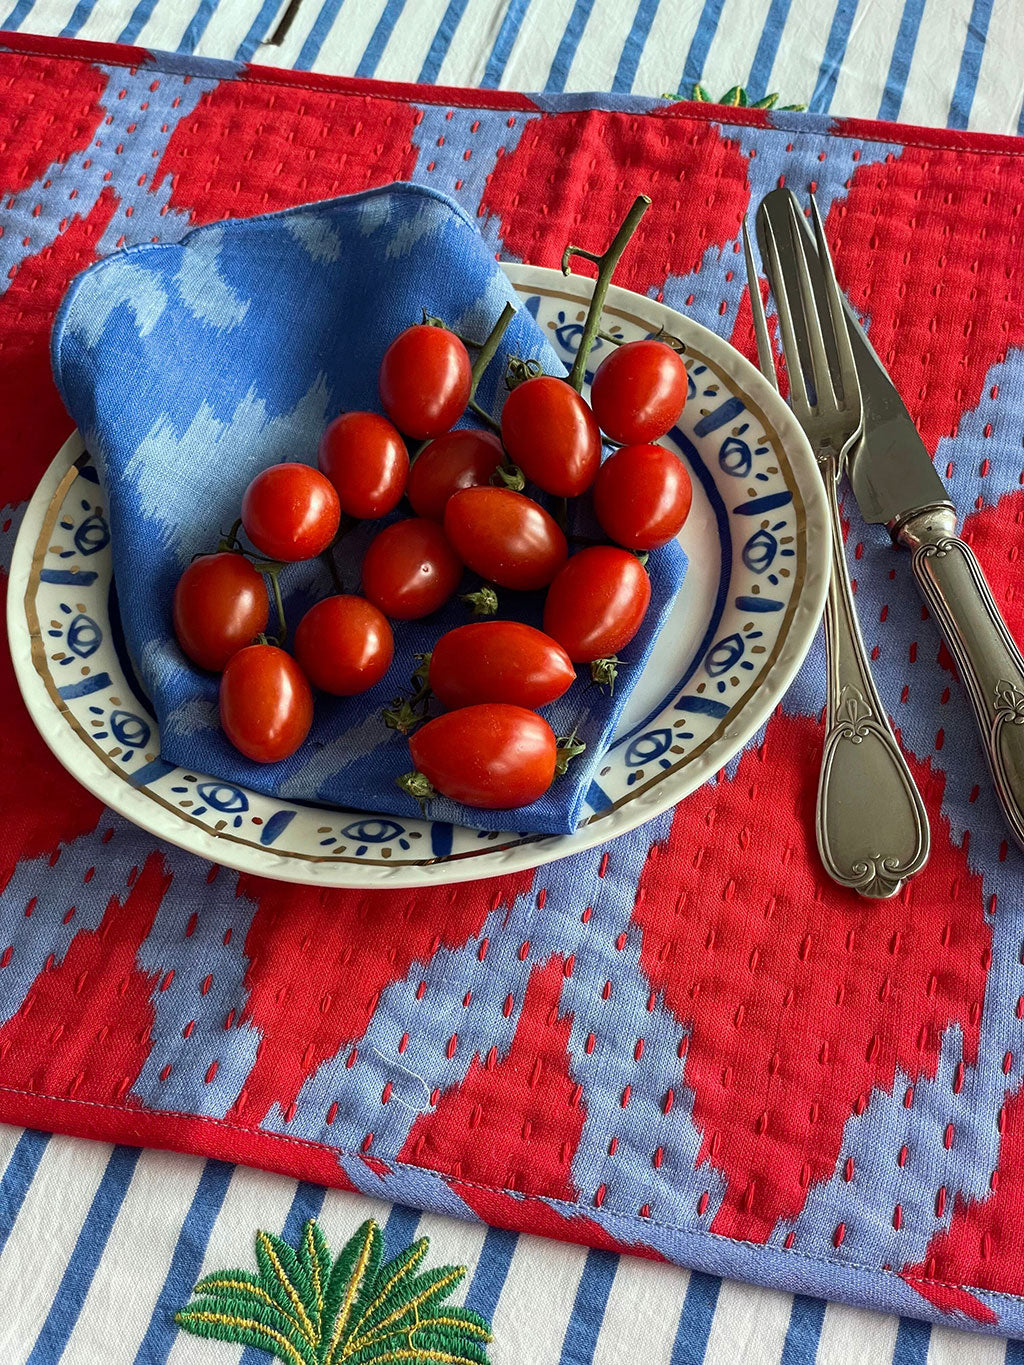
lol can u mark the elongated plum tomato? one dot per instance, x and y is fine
(425, 379)
(344, 645)
(458, 459)
(597, 603)
(500, 661)
(290, 512)
(410, 569)
(220, 606)
(639, 391)
(266, 707)
(642, 496)
(365, 459)
(552, 435)
(494, 756)
(505, 537)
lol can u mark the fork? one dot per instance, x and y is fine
(871, 825)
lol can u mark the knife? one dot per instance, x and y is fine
(895, 484)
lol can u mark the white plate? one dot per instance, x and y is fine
(757, 541)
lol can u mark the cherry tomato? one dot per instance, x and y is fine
(220, 605)
(425, 379)
(505, 537)
(410, 569)
(344, 645)
(499, 661)
(639, 391)
(498, 757)
(290, 512)
(366, 460)
(552, 435)
(597, 603)
(266, 707)
(456, 460)
(642, 496)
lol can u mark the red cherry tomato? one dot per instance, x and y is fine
(425, 379)
(266, 707)
(410, 569)
(344, 645)
(220, 605)
(642, 496)
(499, 661)
(505, 537)
(552, 435)
(456, 460)
(366, 460)
(494, 756)
(597, 603)
(290, 512)
(639, 391)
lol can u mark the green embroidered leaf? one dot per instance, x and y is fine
(419, 1348)
(350, 1286)
(769, 102)
(282, 1276)
(407, 1302)
(394, 1272)
(244, 1331)
(253, 1309)
(315, 1259)
(699, 93)
(240, 1291)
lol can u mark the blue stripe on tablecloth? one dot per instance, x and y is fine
(767, 49)
(400, 1229)
(504, 43)
(186, 1262)
(566, 49)
(831, 63)
(695, 1321)
(633, 47)
(804, 1331)
(700, 45)
(192, 36)
(17, 1178)
(257, 30)
(912, 1343)
(383, 30)
(81, 1267)
(315, 38)
(970, 64)
(140, 16)
(588, 1307)
(18, 15)
(902, 56)
(442, 41)
(307, 1201)
(491, 1271)
(79, 15)
(1015, 1353)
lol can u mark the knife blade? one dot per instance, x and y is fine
(890, 470)
(895, 484)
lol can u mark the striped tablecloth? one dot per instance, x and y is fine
(99, 1245)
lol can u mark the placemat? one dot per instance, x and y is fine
(688, 1044)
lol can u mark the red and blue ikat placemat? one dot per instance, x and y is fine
(688, 1044)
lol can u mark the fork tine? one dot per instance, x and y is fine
(797, 387)
(844, 351)
(764, 346)
(821, 370)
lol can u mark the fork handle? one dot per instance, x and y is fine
(957, 594)
(871, 826)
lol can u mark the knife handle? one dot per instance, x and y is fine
(955, 590)
(871, 825)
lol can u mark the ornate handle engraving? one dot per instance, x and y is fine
(954, 587)
(871, 825)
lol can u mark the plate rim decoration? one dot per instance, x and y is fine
(169, 803)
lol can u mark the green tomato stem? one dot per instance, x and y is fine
(490, 346)
(275, 588)
(484, 415)
(606, 264)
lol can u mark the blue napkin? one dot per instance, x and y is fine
(190, 366)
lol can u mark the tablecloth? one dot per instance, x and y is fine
(875, 69)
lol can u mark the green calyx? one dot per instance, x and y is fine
(483, 602)
(605, 671)
(568, 748)
(418, 787)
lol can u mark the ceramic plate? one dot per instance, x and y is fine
(757, 541)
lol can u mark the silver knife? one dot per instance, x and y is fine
(895, 484)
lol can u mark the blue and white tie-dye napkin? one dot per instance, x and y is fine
(190, 366)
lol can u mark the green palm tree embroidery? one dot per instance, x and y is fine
(737, 97)
(308, 1308)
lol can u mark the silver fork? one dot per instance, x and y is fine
(871, 825)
